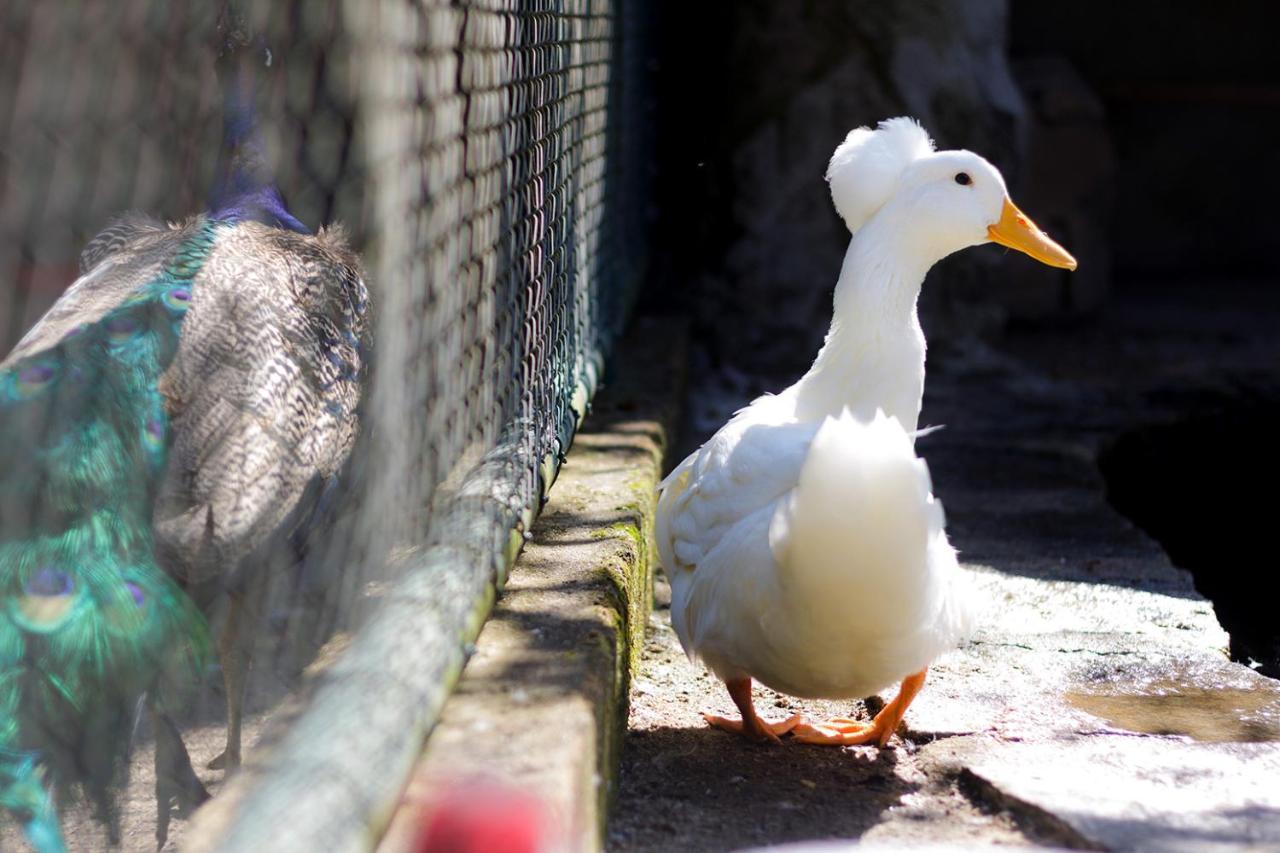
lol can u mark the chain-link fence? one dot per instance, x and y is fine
(489, 161)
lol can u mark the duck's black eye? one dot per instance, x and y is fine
(963, 179)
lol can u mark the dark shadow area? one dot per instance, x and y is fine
(1183, 353)
(1182, 85)
(1199, 486)
(707, 790)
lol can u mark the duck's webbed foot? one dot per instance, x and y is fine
(751, 725)
(842, 731)
(755, 728)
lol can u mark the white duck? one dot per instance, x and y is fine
(802, 542)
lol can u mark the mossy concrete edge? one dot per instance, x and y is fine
(540, 710)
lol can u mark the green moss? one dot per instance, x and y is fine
(621, 529)
(630, 577)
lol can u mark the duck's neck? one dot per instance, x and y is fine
(873, 357)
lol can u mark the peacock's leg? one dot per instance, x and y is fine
(750, 725)
(97, 765)
(234, 653)
(176, 782)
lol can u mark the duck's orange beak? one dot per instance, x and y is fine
(1016, 231)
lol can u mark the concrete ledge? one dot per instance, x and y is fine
(541, 706)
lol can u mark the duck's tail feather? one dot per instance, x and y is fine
(863, 530)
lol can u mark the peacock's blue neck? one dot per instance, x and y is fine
(255, 204)
(246, 189)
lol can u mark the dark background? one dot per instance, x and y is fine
(1142, 134)
(1192, 97)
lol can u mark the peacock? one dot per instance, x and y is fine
(171, 414)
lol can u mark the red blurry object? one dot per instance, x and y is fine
(482, 818)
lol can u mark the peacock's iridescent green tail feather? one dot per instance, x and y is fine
(88, 619)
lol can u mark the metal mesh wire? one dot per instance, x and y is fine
(112, 106)
(501, 196)
(488, 159)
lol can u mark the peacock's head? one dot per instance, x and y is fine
(938, 201)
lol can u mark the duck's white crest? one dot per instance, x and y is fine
(864, 171)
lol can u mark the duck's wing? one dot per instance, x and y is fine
(746, 466)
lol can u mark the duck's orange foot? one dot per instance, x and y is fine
(757, 728)
(842, 731)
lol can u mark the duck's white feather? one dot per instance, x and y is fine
(838, 585)
(753, 460)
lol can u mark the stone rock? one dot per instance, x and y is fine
(761, 251)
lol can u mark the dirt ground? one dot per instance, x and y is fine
(202, 724)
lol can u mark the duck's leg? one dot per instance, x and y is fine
(750, 725)
(846, 732)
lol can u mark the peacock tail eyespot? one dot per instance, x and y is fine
(36, 375)
(48, 581)
(178, 299)
(121, 328)
(27, 381)
(154, 432)
(136, 592)
(125, 611)
(47, 602)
